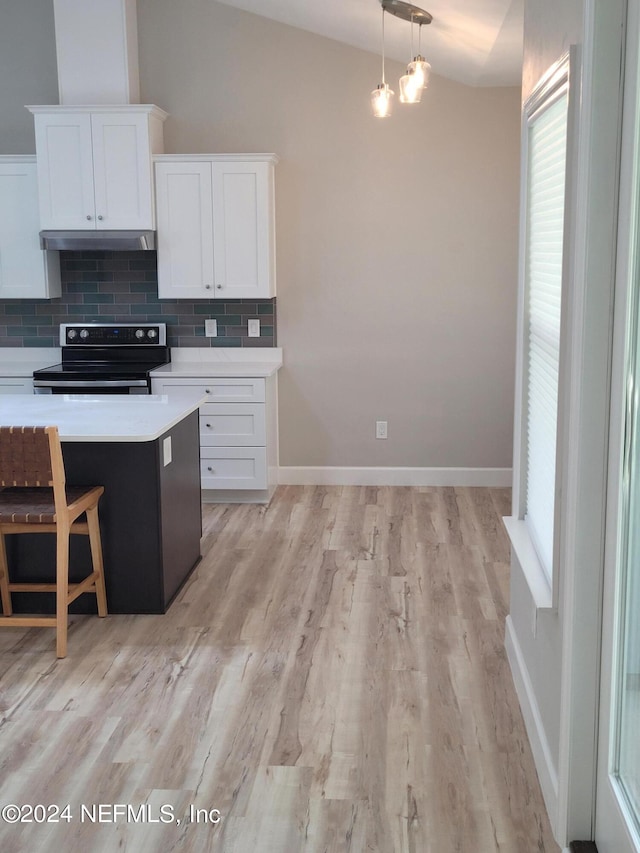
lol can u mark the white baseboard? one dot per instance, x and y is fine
(542, 757)
(290, 475)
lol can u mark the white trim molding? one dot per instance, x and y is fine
(547, 774)
(595, 164)
(525, 552)
(292, 475)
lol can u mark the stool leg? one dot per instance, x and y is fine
(62, 588)
(7, 610)
(96, 558)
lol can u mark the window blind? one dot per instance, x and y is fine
(543, 279)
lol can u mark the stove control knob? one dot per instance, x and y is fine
(139, 333)
(71, 334)
(84, 334)
(152, 334)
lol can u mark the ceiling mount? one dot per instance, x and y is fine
(407, 11)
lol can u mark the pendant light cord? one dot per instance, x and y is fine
(383, 80)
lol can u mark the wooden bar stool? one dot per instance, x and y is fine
(35, 499)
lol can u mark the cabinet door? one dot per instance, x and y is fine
(65, 170)
(242, 227)
(26, 272)
(185, 230)
(122, 171)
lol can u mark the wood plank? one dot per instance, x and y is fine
(332, 678)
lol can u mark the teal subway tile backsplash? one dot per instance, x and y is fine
(122, 287)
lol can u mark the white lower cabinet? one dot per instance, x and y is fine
(238, 441)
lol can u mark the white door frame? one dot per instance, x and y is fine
(610, 824)
(595, 161)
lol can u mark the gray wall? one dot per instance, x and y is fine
(28, 73)
(397, 239)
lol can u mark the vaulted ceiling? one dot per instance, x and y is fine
(476, 42)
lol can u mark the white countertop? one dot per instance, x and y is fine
(214, 362)
(255, 362)
(258, 362)
(22, 361)
(108, 417)
(215, 370)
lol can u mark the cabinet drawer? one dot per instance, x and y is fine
(233, 468)
(233, 425)
(217, 390)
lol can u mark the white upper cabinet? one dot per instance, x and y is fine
(184, 201)
(26, 271)
(216, 226)
(95, 168)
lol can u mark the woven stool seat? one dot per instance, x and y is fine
(35, 505)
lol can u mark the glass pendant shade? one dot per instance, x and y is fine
(381, 99)
(410, 88)
(417, 75)
(421, 69)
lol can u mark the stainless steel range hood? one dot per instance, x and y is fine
(105, 241)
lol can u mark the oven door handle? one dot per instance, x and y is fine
(90, 383)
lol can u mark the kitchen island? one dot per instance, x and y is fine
(145, 451)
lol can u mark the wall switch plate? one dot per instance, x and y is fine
(253, 327)
(211, 328)
(381, 429)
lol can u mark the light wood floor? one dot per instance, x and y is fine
(332, 679)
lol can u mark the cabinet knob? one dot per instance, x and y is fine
(207, 287)
(88, 217)
(218, 286)
(207, 390)
(208, 426)
(209, 468)
(100, 217)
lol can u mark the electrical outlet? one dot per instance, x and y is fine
(211, 328)
(253, 327)
(381, 429)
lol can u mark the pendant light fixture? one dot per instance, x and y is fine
(411, 83)
(417, 76)
(382, 94)
(419, 66)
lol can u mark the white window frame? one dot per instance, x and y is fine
(555, 84)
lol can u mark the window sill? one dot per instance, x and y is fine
(535, 575)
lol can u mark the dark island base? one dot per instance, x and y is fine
(150, 520)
